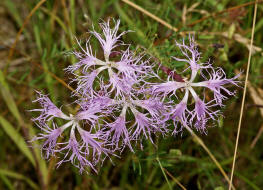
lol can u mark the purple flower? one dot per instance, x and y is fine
(50, 137)
(93, 146)
(217, 82)
(85, 57)
(120, 133)
(180, 114)
(169, 87)
(83, 153)
(143, 126)
(202, 112)
(132, 66)
(153, 105)
(74, 154)
(90, 115)
(123, 73)
(119, 106)
(117, 134)
(48, 110)
(127, 65)
(110, 38)
(121, 86)
(85, 83)
(192, 57)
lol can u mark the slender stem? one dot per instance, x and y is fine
(174, 179)
(53, 75)
(209, 153)
(11, 51)
(170, 187)
(244, 95)
(151, 15)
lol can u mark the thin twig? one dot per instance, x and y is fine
(161, 21)
(244, 95)
(255, 105)
(200, 141)
(11, 51)
(255, 140)
(54, 76)
(174, 179)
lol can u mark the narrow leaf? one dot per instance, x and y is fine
(8, 98)
(7, 182)
(18, 176)
(17, 139)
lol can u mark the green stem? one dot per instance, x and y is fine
(165, 176)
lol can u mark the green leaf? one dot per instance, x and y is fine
(12, 132)
(7, 182)
(17, 139)
(18, 176)
(8, 98)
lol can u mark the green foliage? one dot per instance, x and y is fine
(17, 139)
(18, 176)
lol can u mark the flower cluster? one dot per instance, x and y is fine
(214, 79)
(119, 106)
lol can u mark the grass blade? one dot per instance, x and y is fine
(13, 133)
(158, 160)
(18, 176)
(8, 98)
(7, 182)
(17, 139)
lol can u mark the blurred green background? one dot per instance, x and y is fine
(222, 30)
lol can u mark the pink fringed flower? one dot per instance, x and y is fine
(118, 75)
(74, 154)
(48, 110)
(110, 38)
(214, 80)
(117, 134)
(83, 152)
(148, 120)
(119, 106)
